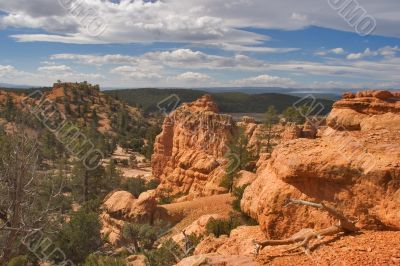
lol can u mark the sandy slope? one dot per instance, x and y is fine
(193, 210)
(367, 248)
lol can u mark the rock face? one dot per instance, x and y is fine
(353, 109)
(309, 130)
(189, 153)
(291, 132)
(354, 165)
(121, 206)
(244, 178)
(257, 134)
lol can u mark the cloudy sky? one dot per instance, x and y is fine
(199, 43)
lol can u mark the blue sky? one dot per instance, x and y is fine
(262, 43)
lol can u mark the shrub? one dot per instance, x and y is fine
(222, 227)
(238, 194)
(140, 236)
(165, 255)
(19, 261)
(81, 236)
(168, 199)
(137, 186)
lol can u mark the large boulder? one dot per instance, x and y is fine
(120, 207)
(356, 171)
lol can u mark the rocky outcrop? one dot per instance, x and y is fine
(244, 178)
(291, 132)
(239, 242)
(355, 168)
(309, 130)
(353, 109)
(189, 153)
(255, 133)
(198, 228)
(258, 134)
(120, 207)
(124, 204)
(79, 103)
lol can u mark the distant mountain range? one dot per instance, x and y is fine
(15, 86)
(229, 102)
(229, 99)
(330, 94)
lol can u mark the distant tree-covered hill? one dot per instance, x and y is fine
(228, 102)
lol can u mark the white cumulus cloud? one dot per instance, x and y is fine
(266, 81)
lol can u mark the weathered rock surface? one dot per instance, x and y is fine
(121, 206)
(257, 134)
(308, 130)
(244, 178)
(291, 132)
(348, 113)
(357, 171)
(189, 153)
(240, 242)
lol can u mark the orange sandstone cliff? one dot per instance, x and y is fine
(189, 153)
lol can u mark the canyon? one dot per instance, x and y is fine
(349, 160)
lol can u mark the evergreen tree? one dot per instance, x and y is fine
(87, 184)
(80, 236)
(271, 118)
(140, 236)
(239, 157)
(296, 115)
(67, 108)
(9, 108)
(95, 118)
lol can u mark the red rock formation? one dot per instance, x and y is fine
(291, 132)
(120, 207)
(244, 178)
(348, 113)
(257, 134)
(358, 172)
(239, 242)
(198, 228)
(189, 153)
(309, 130)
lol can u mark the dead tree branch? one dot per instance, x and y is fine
(304, 236)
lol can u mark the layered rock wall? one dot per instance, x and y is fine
(189, 153)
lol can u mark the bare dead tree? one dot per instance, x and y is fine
(20, 211)
(304, 236)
